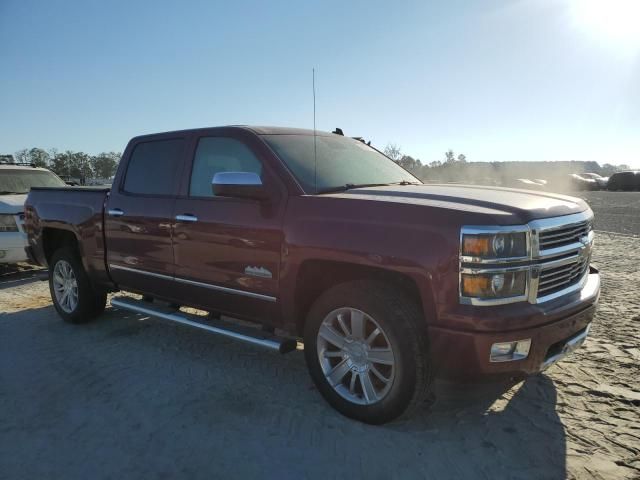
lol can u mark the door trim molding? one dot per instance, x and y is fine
(210, 286)
(142, 272)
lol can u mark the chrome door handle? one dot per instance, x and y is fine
(186, 218)
(115, 212)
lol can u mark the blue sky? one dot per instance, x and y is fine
(494, 79)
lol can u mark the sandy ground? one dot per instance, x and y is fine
(614, 211)
(126, 397)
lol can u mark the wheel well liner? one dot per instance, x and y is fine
(54, 238)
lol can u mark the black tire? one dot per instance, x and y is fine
(90, 302)
(401, 319)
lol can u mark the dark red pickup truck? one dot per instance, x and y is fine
(388, 281)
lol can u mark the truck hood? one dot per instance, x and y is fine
(515, 205)
(12, 203)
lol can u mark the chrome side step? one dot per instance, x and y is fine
(238, 332)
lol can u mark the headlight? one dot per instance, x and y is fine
(8, 223)
(494, 285)
(488, 275)
(499, 245)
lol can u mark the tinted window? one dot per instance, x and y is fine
(335, 161)
(154, 167)
(219, 154)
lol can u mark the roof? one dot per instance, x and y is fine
(257, 129)
(265, 130)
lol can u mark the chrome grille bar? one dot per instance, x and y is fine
(559, 253)
(562, 277)
(565, 235)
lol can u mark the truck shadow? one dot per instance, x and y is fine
(495, 430)
(127, 390)
(502, 430)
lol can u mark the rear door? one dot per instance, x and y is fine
(139, 216)
(227, 250)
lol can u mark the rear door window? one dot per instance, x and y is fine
(154, 167)
(219, 154)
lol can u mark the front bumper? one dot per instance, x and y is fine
(465, 354)
(12, 247)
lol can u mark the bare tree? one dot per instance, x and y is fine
(21, 156)
(393, 152)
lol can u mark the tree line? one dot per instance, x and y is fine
(456, 168)
(83, 167)
(415, 165)
(72, 165)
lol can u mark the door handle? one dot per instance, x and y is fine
(115, 212)
(186, 217)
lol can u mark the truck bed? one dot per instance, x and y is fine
(77, 211)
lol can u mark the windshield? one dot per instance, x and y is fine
(341, 161)
(21, 181)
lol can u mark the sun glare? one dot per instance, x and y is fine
(615, 22)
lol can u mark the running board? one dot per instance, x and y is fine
(228, 329)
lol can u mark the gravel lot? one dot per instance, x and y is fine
(615, 211)
(129, 397)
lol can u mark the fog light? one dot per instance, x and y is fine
(510, 351)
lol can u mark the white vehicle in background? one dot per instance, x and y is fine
(15, 182)
(536, 184)
(601, 181)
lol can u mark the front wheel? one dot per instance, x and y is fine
(367, 351)
(73, 295)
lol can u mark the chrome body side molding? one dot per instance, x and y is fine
(259, 296)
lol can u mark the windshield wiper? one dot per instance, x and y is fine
(350, 186)
(7, 192)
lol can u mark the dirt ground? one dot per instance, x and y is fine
(614, 211)
(129, 397)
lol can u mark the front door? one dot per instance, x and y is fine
(139, 217)
(227, 250)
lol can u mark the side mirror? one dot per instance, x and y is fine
(239, 185)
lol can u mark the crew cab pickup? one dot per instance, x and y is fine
(320, 239)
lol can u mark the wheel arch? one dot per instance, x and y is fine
(315, 276)
(54, 238)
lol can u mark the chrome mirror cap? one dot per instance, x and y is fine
(236, 178)
(247, 185)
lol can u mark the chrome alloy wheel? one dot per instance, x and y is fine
(65, 286)
(356, 356)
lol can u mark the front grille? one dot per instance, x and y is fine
(554, 279)
(565, 235)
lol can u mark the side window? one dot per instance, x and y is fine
(219, 154)
(154, 167)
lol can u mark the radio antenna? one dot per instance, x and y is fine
(315, 152)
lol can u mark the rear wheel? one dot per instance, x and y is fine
(366, 351)
(74, 297)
